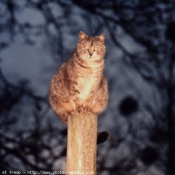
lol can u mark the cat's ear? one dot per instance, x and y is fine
(82, 35)
(102, 38)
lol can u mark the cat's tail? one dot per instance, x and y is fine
(102, 137)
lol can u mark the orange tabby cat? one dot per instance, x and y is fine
(80, 85)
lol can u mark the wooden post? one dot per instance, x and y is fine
(81, 144)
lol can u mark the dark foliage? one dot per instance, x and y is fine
(149, 155)
(128, 106)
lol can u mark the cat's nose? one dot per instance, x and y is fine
(90, 53)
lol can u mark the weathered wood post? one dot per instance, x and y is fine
(81, 144)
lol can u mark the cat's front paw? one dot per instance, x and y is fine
(80, 110)
(87, 110)
(72, 112)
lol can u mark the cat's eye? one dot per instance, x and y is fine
(85, 47)
(96, 48)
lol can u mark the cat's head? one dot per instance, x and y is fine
(91, 47)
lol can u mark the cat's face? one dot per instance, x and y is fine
(91, 47)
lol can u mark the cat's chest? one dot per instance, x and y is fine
(87, 85)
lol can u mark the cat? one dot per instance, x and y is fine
(80, 85)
